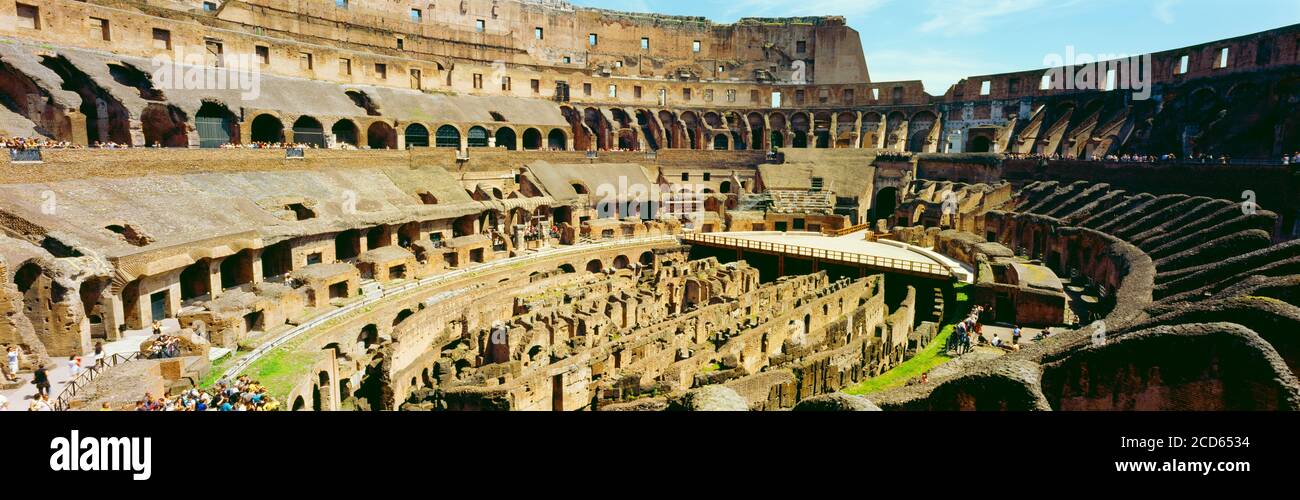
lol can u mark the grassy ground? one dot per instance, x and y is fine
(932, 356)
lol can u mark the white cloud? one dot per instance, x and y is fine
(937, 69)
(968, 17)
(1163, 10)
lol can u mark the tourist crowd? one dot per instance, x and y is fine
(268, 145)
(894, 156)
(25, 143)
(243, 394)
(165, 346)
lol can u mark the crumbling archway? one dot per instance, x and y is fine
(381, 135)
(267, 128)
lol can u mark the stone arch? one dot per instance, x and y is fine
(267, 127)
(595, 266)
(919, 128)
(647, 259)
(599, 126)
(884, 203)
(673, 130)
(621, 262)
(720, 142)
(344, 132)
(216, 125)
(308, 130)
(650, 129)
(532, 139)
(694, 129)
(567, 268)
(380, 135)
(416, 136)
(757, 130)
(477, 137)
(447, 136)
(402, 316)
(164, 125)
(557, 140)
(369, 336)
(506, 138)
(870, 131)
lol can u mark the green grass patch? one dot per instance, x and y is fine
(932, 356)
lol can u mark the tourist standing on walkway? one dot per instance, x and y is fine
(99, 354)
(12, 356)
(42, 381)
(1015, 335)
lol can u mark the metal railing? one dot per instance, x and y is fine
(88, 376)
(885, 263)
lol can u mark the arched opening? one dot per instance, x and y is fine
(196, 279)
(567, 269)
(506, 138)
(532, 139)
(725, 187)
(308, 130)
(164, 126)
(417, 136)
(557, 141)
(401, 316)
(980, 144)
(595, 266)
(347, 245)
(620, 262)
(216, 125)
(381, 135)
(267, 129)
(345, 132)
(720, 142)
(369, 336)
(647, 259)
(477, 137)
(884, 204)
(447, 136)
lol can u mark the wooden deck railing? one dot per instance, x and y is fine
(873, 261)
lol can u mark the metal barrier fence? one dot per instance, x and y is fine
(823, 254)
(25, 155)
(88, 375)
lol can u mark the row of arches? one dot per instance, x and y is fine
(644, 129)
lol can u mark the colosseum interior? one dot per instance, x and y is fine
(528, 205)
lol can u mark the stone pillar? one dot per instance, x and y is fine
(214, 278)
(255, 261)
(834, 132)
(77, 121)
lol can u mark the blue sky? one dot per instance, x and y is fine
(941, 41)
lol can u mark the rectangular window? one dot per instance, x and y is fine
(478, 80)
(416, 82)
(636, 92)
(1183, 65)
(708, 95)
(480, 26)
(586, 89)
(613, 91)
(645, 43)
(592, 39)
(753, 97)
(537, 86)
(848, 96)
(216, 53)
(686, 94)
(538, 33)
(731, 95)
(29, 16)
(209, 6)
(400, 44)
(776, 99)
(381, 71)
(162, 39)
(1223, 57)
(686, 176)
(1046, 82)
(568, 60)
(695, 46)
(341, 3)
(798, 96)
(986, 87)
(823, 95)
(345, 67)
(1014, 85)
(800, 47)
(99, 29)
(898, 94)
(1111, 76)
(416, 15)
(875, 94)
(304, 61)
(263, 54)
(505, 83)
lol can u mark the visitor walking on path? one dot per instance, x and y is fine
(42, 381)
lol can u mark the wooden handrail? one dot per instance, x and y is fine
(824, 254)
(88, 375)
